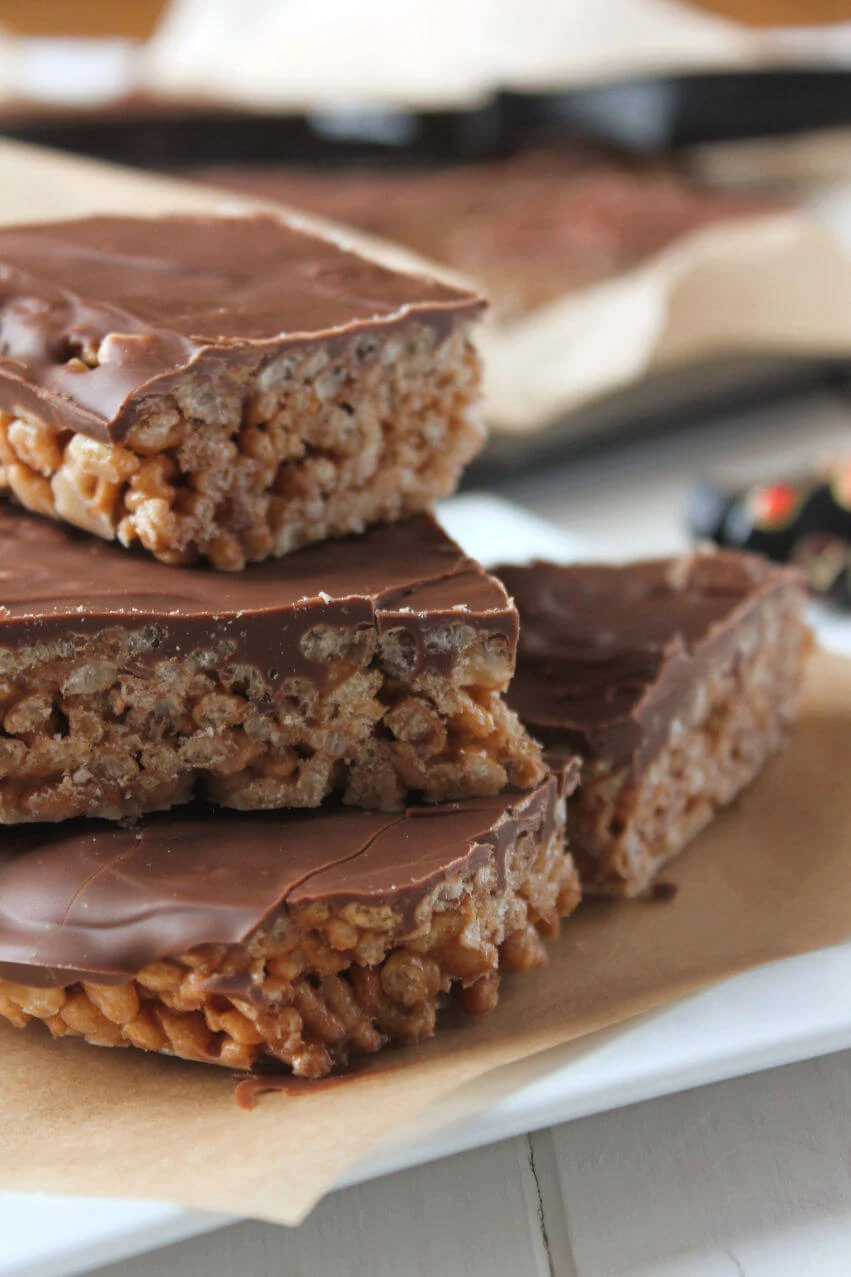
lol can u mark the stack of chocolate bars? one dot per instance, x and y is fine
(351, 821)
(264, 797)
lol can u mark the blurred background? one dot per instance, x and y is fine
(655, 194)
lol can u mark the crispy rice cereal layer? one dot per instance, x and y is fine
(310, 445)
(322, 985)
(98, 727)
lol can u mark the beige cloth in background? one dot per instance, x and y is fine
(441, 54)
(321, 55)
(770, 878)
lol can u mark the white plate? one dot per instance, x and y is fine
(786, 1011)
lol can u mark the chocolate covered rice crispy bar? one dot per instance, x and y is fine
(304, 938)
(374, 666)
(226, 388)
(674, 680)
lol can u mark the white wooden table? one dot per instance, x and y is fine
(749, 1177)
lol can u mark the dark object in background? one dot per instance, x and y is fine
(806, 520)
(665, 113)
(652, 115)
(158, 133)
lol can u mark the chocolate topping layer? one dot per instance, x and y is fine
(97, 901)
(608, 654)
(408, 576)
(153, 298)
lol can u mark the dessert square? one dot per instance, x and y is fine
(226, 388)
(674, 680)
(530, 227)
(303, 938)
(374, 666)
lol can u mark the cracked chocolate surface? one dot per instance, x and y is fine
(99, 901)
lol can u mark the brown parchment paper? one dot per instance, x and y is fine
(777, 285)
(771, 878)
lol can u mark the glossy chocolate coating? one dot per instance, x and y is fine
(408, 576)
(162, 296)
(94, 900)
(609, 654)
